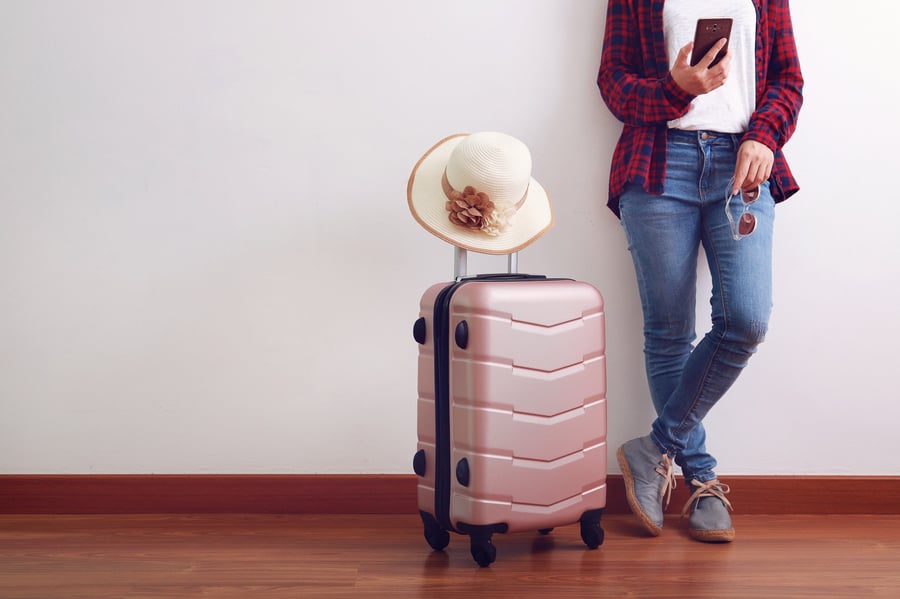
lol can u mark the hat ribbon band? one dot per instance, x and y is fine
(448, 189)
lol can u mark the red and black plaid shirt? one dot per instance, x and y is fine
(636, 84)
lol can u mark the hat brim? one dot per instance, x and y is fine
(427, 203)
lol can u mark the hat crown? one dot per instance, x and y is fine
(495, 163)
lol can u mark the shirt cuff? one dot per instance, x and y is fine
(677, 97)
(759, 136)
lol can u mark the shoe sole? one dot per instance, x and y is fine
(725, 535)
(633, 503)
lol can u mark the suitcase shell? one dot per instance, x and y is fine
(511, 407)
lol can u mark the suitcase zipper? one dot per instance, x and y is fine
(442, 406)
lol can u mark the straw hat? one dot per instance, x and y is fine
(476, 192)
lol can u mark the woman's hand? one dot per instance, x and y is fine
(754, 166)
(701, 78)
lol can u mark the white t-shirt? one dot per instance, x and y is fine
(728, 108)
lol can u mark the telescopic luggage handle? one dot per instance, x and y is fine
(460, 261)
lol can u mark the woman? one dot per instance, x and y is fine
(693, 137)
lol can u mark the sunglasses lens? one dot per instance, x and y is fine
(747, 224)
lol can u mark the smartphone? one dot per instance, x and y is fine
(709, 31)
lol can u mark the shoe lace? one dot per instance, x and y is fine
(667, 471)
(711, 488)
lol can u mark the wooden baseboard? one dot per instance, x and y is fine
(390, 494)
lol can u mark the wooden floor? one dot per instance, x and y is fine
(245, 556)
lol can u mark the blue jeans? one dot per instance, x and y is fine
(664, 234)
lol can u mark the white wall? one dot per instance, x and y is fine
(207, 264)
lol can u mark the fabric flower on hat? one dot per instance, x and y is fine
(474, 210)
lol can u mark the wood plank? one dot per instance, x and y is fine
(163, 556)
(390, 494)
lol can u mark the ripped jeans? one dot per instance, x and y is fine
(664, 234)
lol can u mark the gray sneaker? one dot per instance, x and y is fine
(649, 480)
(709, 521)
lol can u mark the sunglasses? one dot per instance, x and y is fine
(746, 222)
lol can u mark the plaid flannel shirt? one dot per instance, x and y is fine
(636, 84)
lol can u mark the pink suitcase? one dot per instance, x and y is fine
(511, 409)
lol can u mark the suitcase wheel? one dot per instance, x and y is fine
(438, 540)
(591, 531)
(592, 535)
(437, 537)
(483, 551)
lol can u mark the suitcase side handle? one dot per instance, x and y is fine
(460, 263)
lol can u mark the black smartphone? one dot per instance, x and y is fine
(709, 31)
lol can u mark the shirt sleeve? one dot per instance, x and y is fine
(778, 106)
(632, 91)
